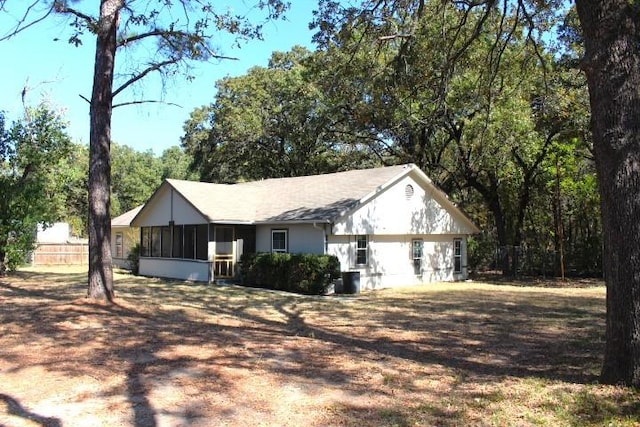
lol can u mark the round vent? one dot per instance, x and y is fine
(408, 191)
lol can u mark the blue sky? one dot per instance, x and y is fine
(60, 73)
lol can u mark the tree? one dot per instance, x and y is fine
(135, 174)
(175, 33)
(30, 152)
(271, 122)
(439, 96)
(175, 164)
(611, 30)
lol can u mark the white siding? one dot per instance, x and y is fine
(197, 271)
(393, 213)
(390, 261)
(303, 238)
(168, 205)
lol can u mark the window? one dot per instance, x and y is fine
(457, 255)
(362, 245)
(156, 241)
(202, 241)
(189, 249)
(118, 245)
(145, 241)
(224, 240)
(279, 241)
(177, 241)
(417, 249)
(166, 242)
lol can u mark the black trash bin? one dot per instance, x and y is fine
(351, 282)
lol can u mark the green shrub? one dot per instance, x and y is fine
(302, 273)
(134, 259)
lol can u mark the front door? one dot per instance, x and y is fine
(223, 264)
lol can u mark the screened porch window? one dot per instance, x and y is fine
(177, 241)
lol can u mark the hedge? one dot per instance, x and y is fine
(302, 273)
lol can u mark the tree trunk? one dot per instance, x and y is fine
(3, 266)
(100, 268)
(612, 64)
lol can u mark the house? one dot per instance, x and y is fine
(124, 237)
(390, 224)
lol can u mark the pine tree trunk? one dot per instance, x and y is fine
(612, 64)
(100, 268)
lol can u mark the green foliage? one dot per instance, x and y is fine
(271, 122)
(134, 177)
(134, 259)
(30, 160)
(175, 163)
(466, 95)
(302, 273)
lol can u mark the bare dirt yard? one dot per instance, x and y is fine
(183, 354)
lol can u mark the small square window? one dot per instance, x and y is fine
(279, 241)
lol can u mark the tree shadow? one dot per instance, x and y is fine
(166, 336)
(15, 408)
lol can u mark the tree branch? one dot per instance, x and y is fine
(61, 8)
(149, 101)
(22, 25)
(135, 78)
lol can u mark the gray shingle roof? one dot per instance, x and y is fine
(125, 219)
(306, 198)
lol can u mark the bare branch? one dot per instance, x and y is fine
(22, 22)
(141, 36)
(135, 78)
(61, 8)
(149, 101)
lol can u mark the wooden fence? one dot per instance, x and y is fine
(61, 254)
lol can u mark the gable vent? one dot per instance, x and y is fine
(408, 191)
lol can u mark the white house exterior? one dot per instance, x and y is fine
(390, 224)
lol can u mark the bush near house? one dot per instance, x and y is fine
(302, 273)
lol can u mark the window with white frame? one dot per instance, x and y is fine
(457, 255)
(279, 241)
(417, 250)
(119, 245)
(362, 250)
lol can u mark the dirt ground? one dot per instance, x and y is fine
(183, 354)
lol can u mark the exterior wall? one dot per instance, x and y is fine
(390, 262)
(197, 271)
(393, 212)
(166, 206)
(303, 238)
(130, 238)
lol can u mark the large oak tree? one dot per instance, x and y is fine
(611, 62)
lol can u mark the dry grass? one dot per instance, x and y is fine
(184, 354)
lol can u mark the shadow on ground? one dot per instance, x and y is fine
(189, 353)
